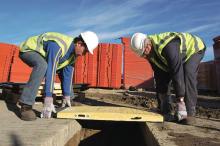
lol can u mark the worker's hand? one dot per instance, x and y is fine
(48, 108)
(181, 109)
(66, 102)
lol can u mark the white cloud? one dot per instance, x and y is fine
(107, 15)
(124, 32)
(202, 28)
(211, 19)
(111, 20)
(103, 20)
(75, 32)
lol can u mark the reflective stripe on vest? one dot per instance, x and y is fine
(162, 43)
(70, 61)
(189, 45)
(159, 65)
(51, 37)
(186, 48)
(35, 43)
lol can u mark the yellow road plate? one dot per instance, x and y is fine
(109, 113)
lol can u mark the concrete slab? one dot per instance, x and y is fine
(204, 133)
(13, 131)
(42, 132)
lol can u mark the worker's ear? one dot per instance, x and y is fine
(147, 49)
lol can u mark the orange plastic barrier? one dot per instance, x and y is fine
(20, 72)
(6, 56)
(137, 71)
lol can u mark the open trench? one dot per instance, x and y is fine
(99, 133)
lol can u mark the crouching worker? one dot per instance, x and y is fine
(46, 54)
(174, 57)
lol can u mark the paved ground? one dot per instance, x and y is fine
(173, 134)
(42, 132)
(56, 132)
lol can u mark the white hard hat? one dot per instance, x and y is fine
(137, 43)
(91, 40)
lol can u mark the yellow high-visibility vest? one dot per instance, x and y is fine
(35, 43)
(190, 44)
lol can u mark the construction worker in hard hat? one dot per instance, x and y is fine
(47, 54)
(174, 57)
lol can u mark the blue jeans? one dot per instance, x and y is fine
(39, 65)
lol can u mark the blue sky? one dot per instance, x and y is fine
(110, 19)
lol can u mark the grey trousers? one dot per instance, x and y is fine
(190, 68)
(39, 65)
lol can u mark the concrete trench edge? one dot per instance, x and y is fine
(148, 136)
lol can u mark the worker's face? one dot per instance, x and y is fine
(147, 48)
(80, 48)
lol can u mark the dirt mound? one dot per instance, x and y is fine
(206, 107)
(193, 140)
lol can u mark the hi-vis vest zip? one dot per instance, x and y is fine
(35, 43)
(190, 45)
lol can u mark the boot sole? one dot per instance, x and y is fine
(28, 119)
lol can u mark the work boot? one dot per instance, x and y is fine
(27, 113)
(190, 120)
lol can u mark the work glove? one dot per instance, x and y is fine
(181, 110)
(66, 102)
(48, 108)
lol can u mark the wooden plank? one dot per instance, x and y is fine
(54, 91)
(109, 113)
(56, 86)
(18, 88)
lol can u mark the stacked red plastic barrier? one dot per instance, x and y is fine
(109, 65)
(216, 51)
(104, 63)
(137, 71)
(85, 70)
(106, 67)
(6, 56)
(217, 68)
(207, 76)
(116, 65)
(216, 47)
(102, 69)
(20, 72)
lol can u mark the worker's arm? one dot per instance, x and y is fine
(53, 54)
(172, 54)
(66, 75)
